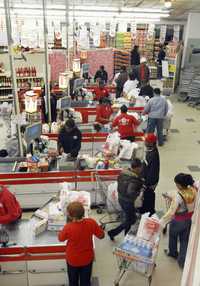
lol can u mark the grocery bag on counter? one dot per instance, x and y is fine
(45, 128)
(149, 228)
(112, 198)
(55, 126)
(112, 144)
(127, 149)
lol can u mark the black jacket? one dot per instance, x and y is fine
(135, 58)
(161, 56)
(70, 142)
(146, 90)
(151, 168)
(103, 75)
(129, 186)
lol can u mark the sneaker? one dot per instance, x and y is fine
(111, 236)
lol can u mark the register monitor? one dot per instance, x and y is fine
(64, 103)
(32, 132)
(78, 84)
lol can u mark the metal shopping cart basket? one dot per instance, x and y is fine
(127, 260)
(110, 206)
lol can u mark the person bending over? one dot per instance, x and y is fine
(10, 210)
(129, 187)
(79, 234)
(69, 139)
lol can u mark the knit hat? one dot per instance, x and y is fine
(150, 138)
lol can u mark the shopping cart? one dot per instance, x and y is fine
(128, 261)
(111, 207)
(168, 200)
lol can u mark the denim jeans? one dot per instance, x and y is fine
(156, 123)
(179, 230)
(79, 276)
(130, 218)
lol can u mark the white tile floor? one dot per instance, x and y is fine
(181, 150)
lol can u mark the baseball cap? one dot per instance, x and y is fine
(150, 138)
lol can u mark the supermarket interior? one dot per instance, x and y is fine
(99, 124)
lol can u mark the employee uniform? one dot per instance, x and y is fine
(126, 125)
(10, 210)
(100, 93)
(79, 249)
(179, 215)
(70, 141)
(103, 113)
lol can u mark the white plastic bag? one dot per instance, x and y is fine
(112, 198)
(54, 127)
(127, 149)
(112, 143)
(149, 228)
(45, 128)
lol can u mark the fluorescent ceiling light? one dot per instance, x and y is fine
(168, 4)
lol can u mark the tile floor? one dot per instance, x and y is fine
(180, 151)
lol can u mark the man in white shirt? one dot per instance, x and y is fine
(130, 84)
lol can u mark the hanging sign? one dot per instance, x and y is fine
(176, 33)
(112, 29)
(163, 31)
(150, 32)
(134, 30)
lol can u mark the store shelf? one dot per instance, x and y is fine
(6, 99)
(5, 88)
(27, 77)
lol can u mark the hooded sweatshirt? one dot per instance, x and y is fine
(129, 186)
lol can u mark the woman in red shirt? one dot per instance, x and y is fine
(79, 248)
(10, 210)
(103, 111)
(126, 124)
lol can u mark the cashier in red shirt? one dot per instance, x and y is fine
(79, 248)
(100, 91)
(103, 111)
(10, 210)
(126, 124)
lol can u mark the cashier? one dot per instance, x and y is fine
(103, 111)
(100, 91)
(10, 210)
(69, 139)
(126, 124)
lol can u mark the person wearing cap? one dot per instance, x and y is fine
(103, 111)
(151, 171)
(179, 215)
(126, 124)
(69, 139)
(10, 210)
(101, 74)
(156, 108)
(78, 234)
(143, 71)
(100, 91)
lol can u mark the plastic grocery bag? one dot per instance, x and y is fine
(149, 228)
(112, 198)
(55, 127)
(127, 149)
(45, 128)
(112, 144)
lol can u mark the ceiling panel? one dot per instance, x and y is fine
(180, 8)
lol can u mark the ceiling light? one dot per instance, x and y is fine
(168, 4)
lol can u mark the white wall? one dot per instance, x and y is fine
(192, 32)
